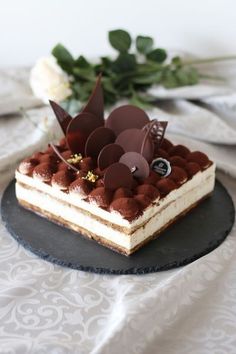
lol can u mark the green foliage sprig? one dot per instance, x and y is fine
(130, 73)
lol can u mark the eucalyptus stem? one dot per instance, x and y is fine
(210, 77)
(209, 60)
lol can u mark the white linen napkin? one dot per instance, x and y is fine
(15, 91)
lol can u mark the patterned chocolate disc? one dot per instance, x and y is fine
(132, 140)
(156, 131)
(99, 138)
(118, 175)
(126, 117)
(62, 116)
(78, 131)
(108, 155)
(137, 164)
(95, 104)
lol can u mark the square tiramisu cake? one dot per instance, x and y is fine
(117, 181)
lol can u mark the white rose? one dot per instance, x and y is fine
(49, 81)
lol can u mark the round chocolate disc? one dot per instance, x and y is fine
(137, 164)
(118, 175)
(108, 155)
(79, 129)
(132, 140)
(99, 138)
(126, 117)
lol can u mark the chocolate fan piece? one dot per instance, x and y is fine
(99, 138)
(118, 175)
(79, 130)
(62, 158)
(126, 117)
(95, 103)
(62, 116)
(137, 164)
(110, 154)
(156, 131)
(132, 140)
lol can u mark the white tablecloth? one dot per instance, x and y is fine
(45, 308)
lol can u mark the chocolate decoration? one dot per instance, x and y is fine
(62, 158)
(126, 117)
(79, 129)
(118, 175)
(110, 154)
(99, 138)
(137, 163)
(156, 131)
(161, 166)
(132, 140)
(95, 104)
(62, 116)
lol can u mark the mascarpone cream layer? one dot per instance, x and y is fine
(69, 213)
(115, 217)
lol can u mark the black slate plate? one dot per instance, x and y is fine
(196, 234)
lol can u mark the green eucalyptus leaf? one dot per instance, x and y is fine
(124, 63)
(82, 62)
(87, 74)
(84, 90)
(64, 58)
(144, 44)
(110, 98)
(106, 61)
(193, 76)
(108, 85)
(169, 79)
(140, 102)
(149, 79)
(182, 77)
(105, 66)
(120, 40)
(176, 61)
(158, 55)
(187, 76)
